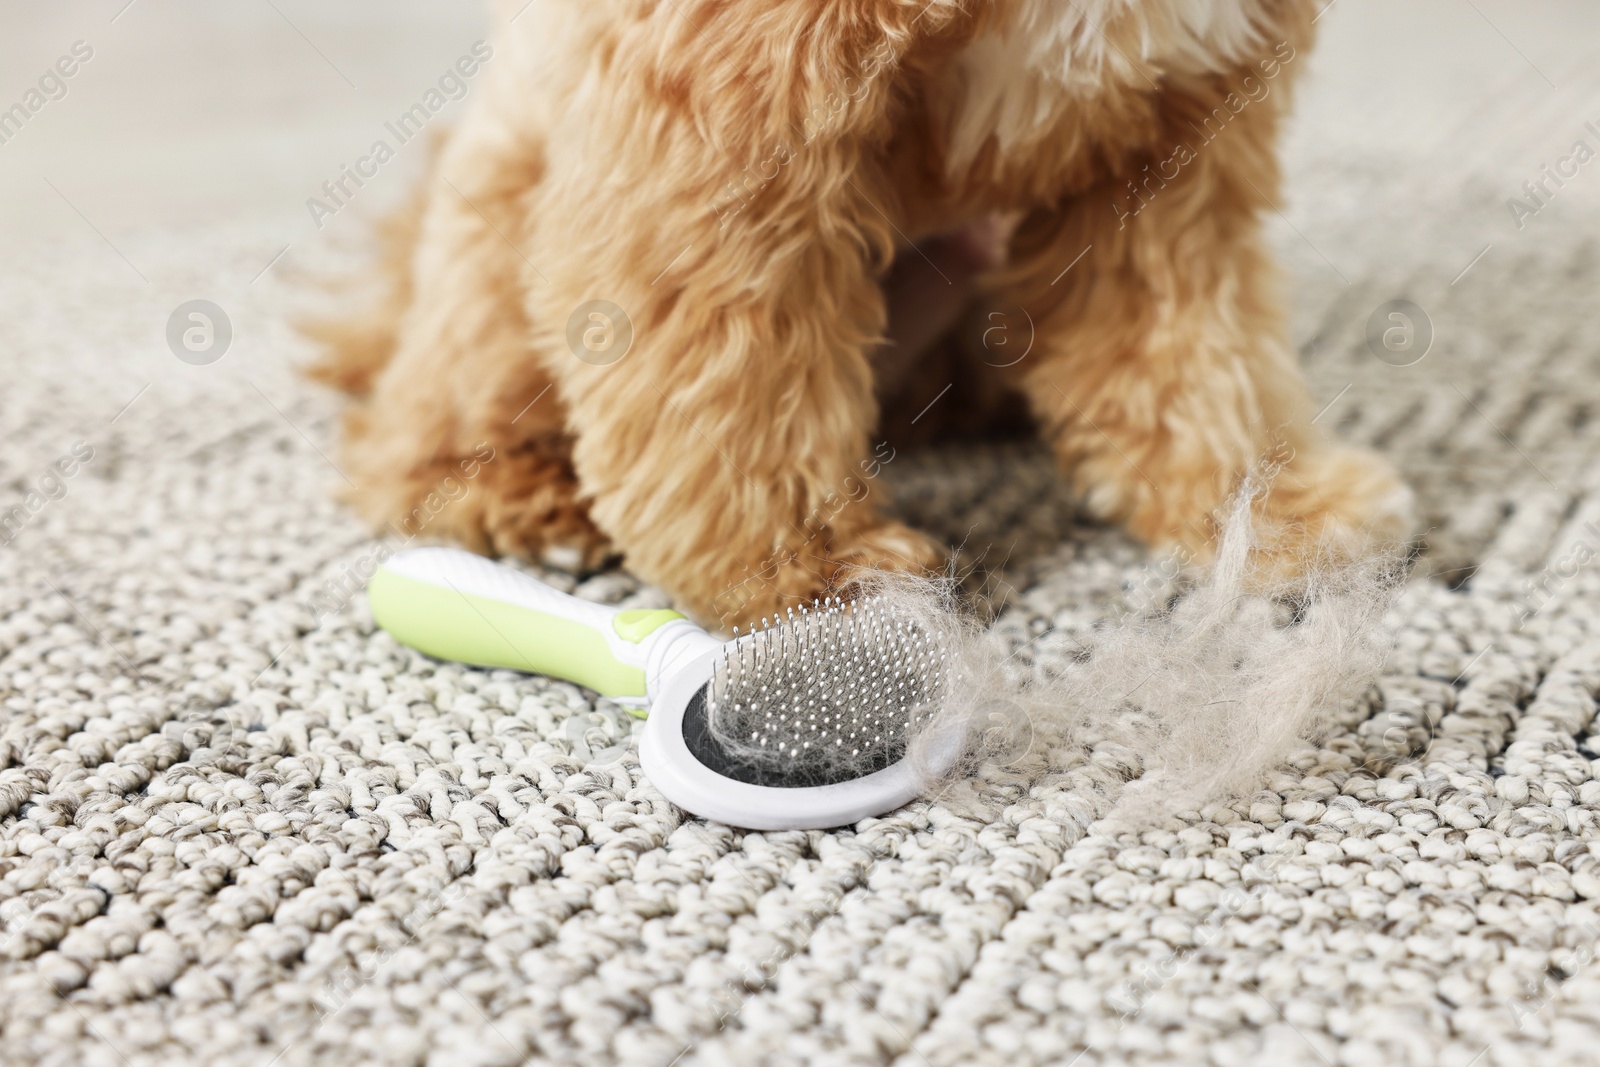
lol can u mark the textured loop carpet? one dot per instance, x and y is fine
(239, 827)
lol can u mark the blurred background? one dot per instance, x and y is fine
(193, 112)
(170, 592)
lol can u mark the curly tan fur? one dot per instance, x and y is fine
(738, 178)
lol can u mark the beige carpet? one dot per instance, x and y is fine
(239, 827)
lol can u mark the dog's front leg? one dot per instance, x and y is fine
(1161, 370)
(720, 194)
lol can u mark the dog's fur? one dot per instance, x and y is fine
(738, 178)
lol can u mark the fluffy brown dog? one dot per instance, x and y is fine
(736, 179)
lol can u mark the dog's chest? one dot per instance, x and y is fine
(1039, 60)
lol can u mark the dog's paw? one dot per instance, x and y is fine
(883, 546)
(1337, 504)
(533, 510)
(826, 566)
(557, 535)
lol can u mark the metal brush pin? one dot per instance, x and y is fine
(823, 695)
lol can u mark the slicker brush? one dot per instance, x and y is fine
(804, 723)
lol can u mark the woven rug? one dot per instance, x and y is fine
(238, 826)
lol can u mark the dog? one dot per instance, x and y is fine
(646, 276)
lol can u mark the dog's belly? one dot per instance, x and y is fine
(1033, 108)
(927, 291)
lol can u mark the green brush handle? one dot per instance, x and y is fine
(454, 605)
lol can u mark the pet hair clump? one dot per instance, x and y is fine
(1206, 695)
